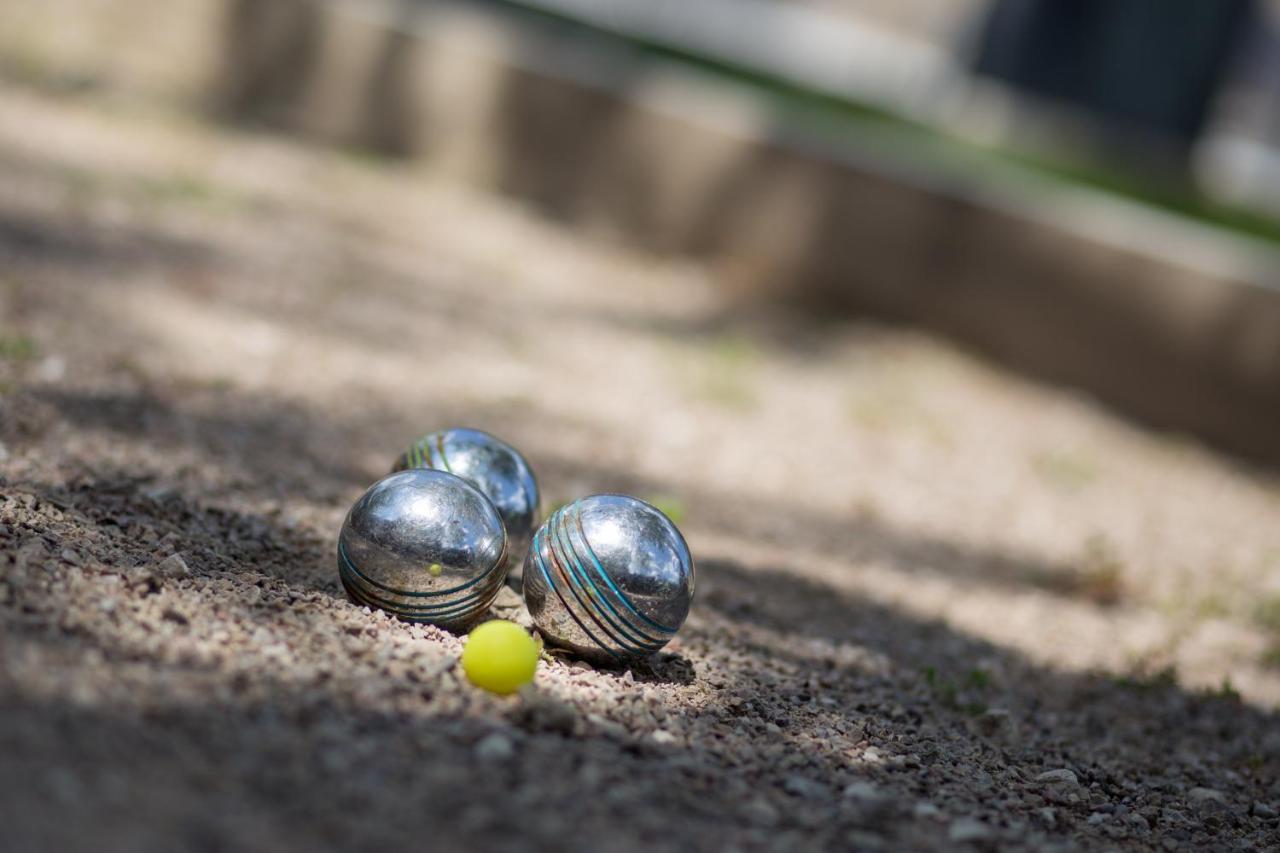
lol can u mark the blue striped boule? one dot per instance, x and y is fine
(609, 578)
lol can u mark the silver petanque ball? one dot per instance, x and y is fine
(491, 465)
(608, 577)
(424, 546)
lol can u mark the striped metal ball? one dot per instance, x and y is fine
(491, 465)
(425, 546)
(608, 577)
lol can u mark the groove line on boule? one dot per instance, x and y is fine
(634, 635)
(445, 612)
(342, 553)
(542, 566)
(608, 580)
(442, 607)
(588, 608)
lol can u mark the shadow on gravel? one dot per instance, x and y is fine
(26, 239)
(281, 448)
(263, 759)
(277, 756)
(856, 537)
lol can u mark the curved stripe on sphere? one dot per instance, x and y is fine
(609, 577)
(597, 604)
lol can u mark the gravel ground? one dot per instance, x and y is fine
(938, 605)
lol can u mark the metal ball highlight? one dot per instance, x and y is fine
(491, 465)
(610, 578)
(425, 546)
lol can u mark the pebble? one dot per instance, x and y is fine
(173, 566)
(506, 599)
(1061, 776)
(863, 791)
(992, 723)
(761, 811)
(925, 811)
(1138, 822)
(1202, 795)
(804, 787)
(541, 711)
(968, 829)
(1263, 810)
(663, 737)
(495, 747)
(860, 839)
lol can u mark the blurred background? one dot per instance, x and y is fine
(1086, 191)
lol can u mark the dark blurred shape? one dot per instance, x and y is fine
(271, 51)
(1150, 65)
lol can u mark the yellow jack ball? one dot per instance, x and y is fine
(500, 656)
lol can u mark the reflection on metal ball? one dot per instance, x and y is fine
(491, 465)
(424, 546)
(608, 577)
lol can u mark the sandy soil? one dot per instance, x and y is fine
(937, 605)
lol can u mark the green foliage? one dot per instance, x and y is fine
(1145, 679)
(1100, 576)
(672, 507)
(967, 694)
(17, 348)
(1065, 470)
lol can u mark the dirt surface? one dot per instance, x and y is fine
(937, 606)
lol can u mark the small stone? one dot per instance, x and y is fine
(1263, 810)
(540, 711)
(177, 616)
(1201, 795)
(1138, 822)
(507, 599)
(993, 723)
(967, 829)
(70, 556)
(760, 811)
(662, 737)
(1096, 818)
(51, 368)
(495, 747)
(926, 811)
(861, 839)
(159, 494)
(1061, 776)
(801, 786)
(872, 755)
(608, 728)
(173, 566)
(4, 452)
(863, 791)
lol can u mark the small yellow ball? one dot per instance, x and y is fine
(500, 656)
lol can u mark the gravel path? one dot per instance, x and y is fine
(938, 606)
